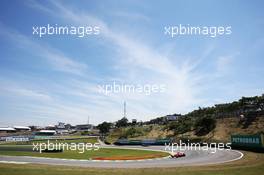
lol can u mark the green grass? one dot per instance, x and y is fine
(251, 164)
(107, 153)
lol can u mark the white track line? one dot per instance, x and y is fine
(240, 157)
(13, 162)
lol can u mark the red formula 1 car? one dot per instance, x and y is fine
(177, 155)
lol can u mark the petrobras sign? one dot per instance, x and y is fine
(247, 140)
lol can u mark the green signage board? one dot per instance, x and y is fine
(253, 141)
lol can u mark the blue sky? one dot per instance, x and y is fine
(55, 78)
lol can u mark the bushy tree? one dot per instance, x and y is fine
(122, 122)
(182, 125)
(203, 125)
(104, 127)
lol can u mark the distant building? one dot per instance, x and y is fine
(60, 125)
(173, 117)
(61, 128)
(84, 127)
(134, 121)
(45, 132)
(62, 131)
(34, 128)
(14, 129)
(50, 127)
(7, 129)
(69, 127)
(22, 128)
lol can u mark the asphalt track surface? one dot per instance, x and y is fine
(192, 158)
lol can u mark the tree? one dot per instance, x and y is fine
(182, 125)
(204, 125)
(104, 127)
(123, 122)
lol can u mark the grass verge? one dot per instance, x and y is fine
(101, 154)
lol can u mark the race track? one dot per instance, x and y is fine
(192, 158)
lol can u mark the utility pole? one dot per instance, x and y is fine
(88, 121)
(125, 109)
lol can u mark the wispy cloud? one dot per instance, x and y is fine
(18, 92)
(55, 58)
(138, 58)
(30, 93)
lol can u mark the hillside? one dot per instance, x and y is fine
(222, 132)
(227, 126)
(211, 124)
